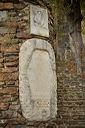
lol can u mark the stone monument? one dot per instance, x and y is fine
(37, 80)
(37, 71)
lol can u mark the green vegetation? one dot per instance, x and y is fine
(73, 11)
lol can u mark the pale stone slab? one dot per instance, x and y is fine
(39, 21)
(37, 80)
(3, 15)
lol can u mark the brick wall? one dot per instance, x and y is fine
(14, 30)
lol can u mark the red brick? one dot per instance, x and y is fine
(9, 70)
(1, 54)
(9, 90)
(5, 39)
(71, 67)
(8, 98)
(10, 48)
(8, 76)
(1, 60)
(12, 24)
(11, 64)
(18, 6)
(11, 59)
(4, 106)
(1, 6)
(83, 76)
(21, 24)
(23, 35)
(4, 6)
(1, 65)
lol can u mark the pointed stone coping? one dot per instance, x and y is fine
(37, 80)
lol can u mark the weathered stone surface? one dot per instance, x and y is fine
(71, 97)
(8, 114)
(3, 15)
(38, 21)
(37, 80)
(3, 30)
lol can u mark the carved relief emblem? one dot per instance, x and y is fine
(39, 21)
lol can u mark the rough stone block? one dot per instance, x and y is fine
(39, 21)
(37, 78)
(3, 15)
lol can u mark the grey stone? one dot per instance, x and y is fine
(3, 15)
(3, 30)
(37, 80)
(7, 54)
(39, 21)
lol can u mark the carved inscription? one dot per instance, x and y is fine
(37, 80)
(42, 103)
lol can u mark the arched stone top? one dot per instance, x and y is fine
(37, 80)
(31, 45)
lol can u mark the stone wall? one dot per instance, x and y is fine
(14, 30)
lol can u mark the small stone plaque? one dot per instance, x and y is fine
(38, 21)
(37, 78)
